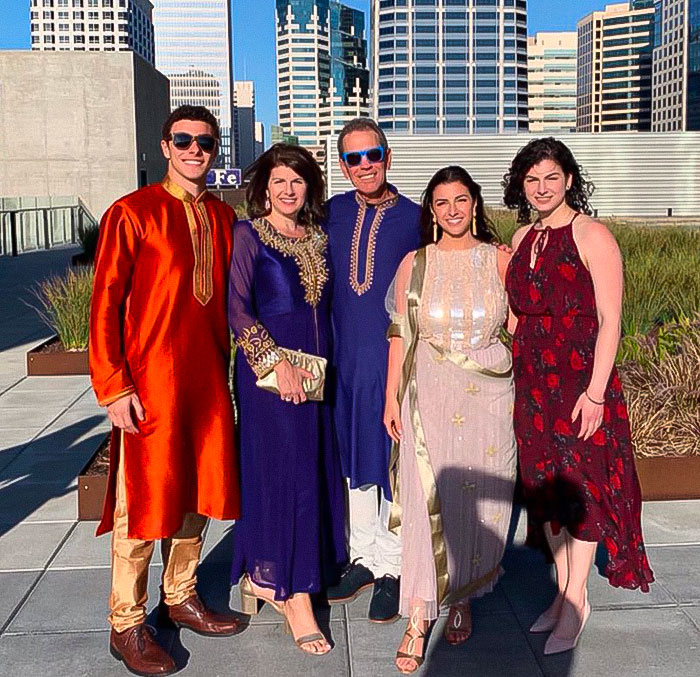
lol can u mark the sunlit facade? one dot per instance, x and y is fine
(193, 48)
(322, 75)
(551, 67)
(676, 73)
(450, 66)
(93, 26)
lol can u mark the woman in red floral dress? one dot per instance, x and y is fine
(576, 459)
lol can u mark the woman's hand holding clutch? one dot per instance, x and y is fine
(289, 380)
(392, 418)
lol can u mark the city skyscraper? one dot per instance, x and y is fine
(93, 25)
(244, 122)
(193, 48)
(450, 66)
(322, 76)
(614, 68)
(259, 139)
(551, 67)
(676, 69)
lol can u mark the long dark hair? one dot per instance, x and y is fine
(454, 174)
(533, 153)
(302, 162)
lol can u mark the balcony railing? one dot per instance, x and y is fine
(31, 224)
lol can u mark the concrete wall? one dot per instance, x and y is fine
(635, 174)
(152, 99)
(73, 123)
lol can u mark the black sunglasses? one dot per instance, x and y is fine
(182, 141)
(354, 158)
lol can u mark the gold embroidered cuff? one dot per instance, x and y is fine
(122, 393)
(260, 349)
(395, 331)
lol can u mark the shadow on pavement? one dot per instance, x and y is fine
(18, 276)
(26, 486)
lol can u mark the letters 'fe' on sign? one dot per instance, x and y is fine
(227, 178)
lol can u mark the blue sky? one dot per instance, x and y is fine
(254, 38)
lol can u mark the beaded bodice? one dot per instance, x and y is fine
(463, 304)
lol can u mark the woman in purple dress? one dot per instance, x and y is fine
(289, 542)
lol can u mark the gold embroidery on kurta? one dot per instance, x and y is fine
(308, 251)
(361, 287)
(259, 348)
(202, 240)
(202, 278)
(458, 420)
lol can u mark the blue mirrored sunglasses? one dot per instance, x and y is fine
(353, 158)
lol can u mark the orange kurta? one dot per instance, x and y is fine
(158, 326)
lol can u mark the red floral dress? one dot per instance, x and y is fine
(590, 487)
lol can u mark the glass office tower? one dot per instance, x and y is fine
(322, 76)
(450, 66)
(676, 79)
(193, 48)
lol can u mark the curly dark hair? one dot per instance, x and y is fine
(302, 162)
(534, 152)
(198, 113)
(454, 174)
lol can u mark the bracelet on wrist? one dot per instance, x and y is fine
(590, 399)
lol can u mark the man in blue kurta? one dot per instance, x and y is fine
(370, 231)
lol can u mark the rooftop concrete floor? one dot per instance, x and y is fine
(54, 574)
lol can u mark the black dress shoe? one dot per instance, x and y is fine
(384, 607)
(355, 579)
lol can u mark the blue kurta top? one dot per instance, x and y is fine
(366, 244)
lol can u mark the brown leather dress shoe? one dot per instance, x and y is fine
(140, 652)
(194, 615)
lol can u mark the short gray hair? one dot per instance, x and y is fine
(363, 124)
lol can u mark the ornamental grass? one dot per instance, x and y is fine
(659, 355)
(64, 305)
(662, 391)
(662, 276)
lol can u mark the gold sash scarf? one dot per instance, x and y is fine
(425, 468)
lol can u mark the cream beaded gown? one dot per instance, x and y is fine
(465, 417)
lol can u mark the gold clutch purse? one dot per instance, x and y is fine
(313, 387)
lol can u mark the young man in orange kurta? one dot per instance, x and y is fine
(159, 363)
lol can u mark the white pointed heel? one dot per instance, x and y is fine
(556, 645)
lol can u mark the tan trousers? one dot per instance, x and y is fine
(131, 558)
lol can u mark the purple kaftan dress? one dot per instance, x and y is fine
(290, 536)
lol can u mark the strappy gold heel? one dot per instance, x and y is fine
(249, 598)
(410, 652)
(306, 639)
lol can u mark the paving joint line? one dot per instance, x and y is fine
(695, 623)
(525, 632)
(348, 640)
(37, 633)
(18, 608)
(46, 427)
(16, 383)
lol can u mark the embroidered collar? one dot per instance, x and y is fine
(308, 252)
(180, 193)
(385, 204)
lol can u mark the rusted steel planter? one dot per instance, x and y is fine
(92, 485)
(667, 478)
(55, 361)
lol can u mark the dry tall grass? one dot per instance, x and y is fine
(663, 394)
(64, 305)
